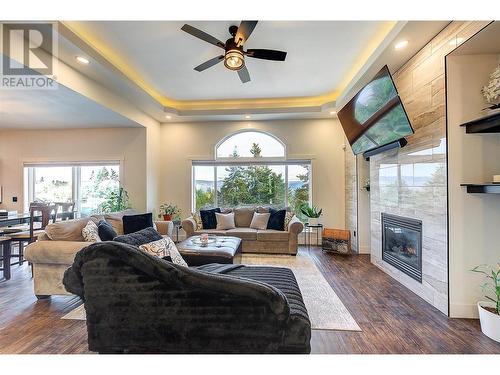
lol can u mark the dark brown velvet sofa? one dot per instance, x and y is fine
(137, 303)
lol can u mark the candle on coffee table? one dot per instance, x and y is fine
(204, 238)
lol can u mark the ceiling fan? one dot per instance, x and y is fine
(234, 55)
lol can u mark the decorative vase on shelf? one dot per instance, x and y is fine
(491, 91)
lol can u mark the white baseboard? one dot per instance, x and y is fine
(365, 250)
(463, 311)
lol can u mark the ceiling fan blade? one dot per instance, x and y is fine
(202, 35)
(244, 31)
(209, 63)
(244, 75)
(266, 54)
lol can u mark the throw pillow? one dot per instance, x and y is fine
(165, 249)
(174, 253)
(276, 219)
(259, 221)
(225, 221)
(90, 232)
(208, 218)
(116, 219)
(288, 217)
(156, 248)
(106, 231)
(197, 218)
(135, 223)
(139, 238)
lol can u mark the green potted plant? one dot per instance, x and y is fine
(168, 211)
(116, 201)
(312, 213)
(489, 311)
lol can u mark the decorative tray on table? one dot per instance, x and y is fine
(197, 240)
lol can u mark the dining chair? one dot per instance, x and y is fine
(66, 210)
(5, 242)
(41, 211)
(19, 227)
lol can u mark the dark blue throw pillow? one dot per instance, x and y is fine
(208, 218)
(139, 238)
(277, 219)
(135, 223)
(106, 231)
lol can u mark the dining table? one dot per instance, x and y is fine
(25, 218)
(19, 219)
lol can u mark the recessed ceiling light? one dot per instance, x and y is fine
(247, 116)
(333, 113)
(400, 45)
(82, 60)
(168, 117)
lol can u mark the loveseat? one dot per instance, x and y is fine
(268, 241)
(55, 249)
(138, 303)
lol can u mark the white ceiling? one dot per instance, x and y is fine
(311, 68)
(320, 55)
(60, 108)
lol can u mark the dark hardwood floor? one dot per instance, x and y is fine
(392, 319)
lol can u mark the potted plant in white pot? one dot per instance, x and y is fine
(489, 311)
(312, 213)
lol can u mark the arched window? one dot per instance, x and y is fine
(251, 168)
(250, 144)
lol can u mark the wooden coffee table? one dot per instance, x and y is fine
(224, 250)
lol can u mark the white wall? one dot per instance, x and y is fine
(319, 140)
(474, 235)
(21, 146)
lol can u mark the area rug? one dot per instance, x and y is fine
(326, 310)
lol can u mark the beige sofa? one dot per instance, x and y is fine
(266, 241)
(55, 249)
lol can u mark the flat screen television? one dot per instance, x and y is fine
(375, 116)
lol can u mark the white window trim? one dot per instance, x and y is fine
(226, 159)
(29, 184)
(220, 163)
(247, 161)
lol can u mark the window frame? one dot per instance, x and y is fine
(29, 178)
(248, 161)
(246, 158)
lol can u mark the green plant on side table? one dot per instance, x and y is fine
(489, 312)
(169, 211)
(312, 213)
(116, 201)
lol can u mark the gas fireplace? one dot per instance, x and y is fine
(402, 244)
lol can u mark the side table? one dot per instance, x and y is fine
(177, 227)
(318, 228)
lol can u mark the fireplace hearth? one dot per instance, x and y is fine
(402, 244)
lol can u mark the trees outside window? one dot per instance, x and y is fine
(247, 175)
(85, 185)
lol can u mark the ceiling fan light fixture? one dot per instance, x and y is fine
(234, 59)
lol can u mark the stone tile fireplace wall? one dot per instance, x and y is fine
(412, 181)
(351, 196)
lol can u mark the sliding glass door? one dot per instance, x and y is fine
(86, 185)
